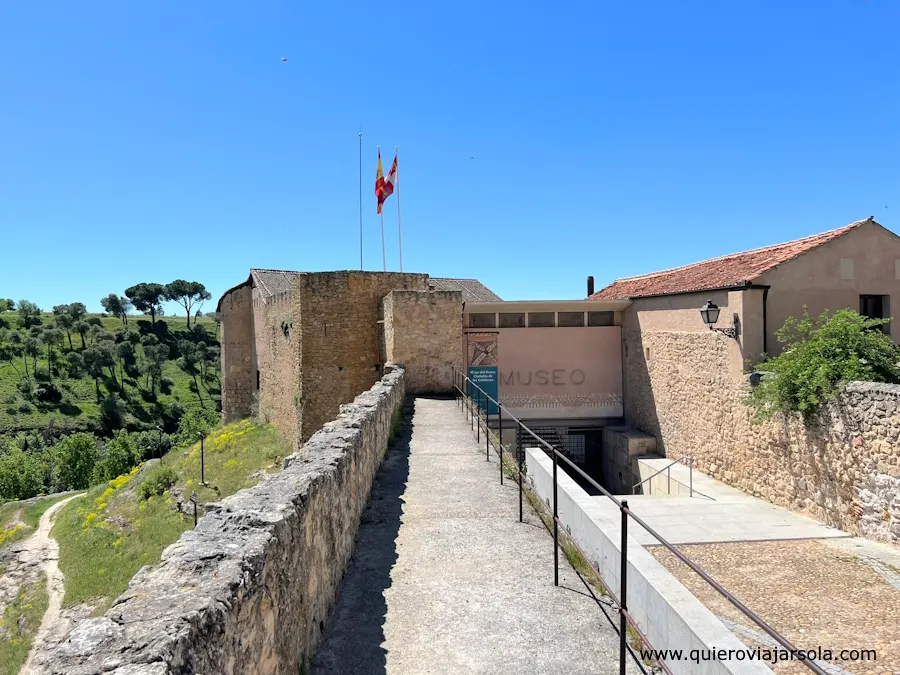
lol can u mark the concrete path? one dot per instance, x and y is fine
(444, 579)
(723, 514)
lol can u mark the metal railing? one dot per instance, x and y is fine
(668, 468)
(477, 403)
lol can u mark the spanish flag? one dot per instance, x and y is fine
(379, 184)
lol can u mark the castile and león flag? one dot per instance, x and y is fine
(384, 188)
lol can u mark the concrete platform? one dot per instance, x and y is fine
(718, 513)
(445, 580)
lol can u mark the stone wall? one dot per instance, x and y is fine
(340, 336)
(238, 376)
(422, 332)
(843, 469)
(248, 591)
(277, 352)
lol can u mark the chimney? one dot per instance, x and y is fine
(590, 286)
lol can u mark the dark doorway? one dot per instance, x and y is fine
(582, 446)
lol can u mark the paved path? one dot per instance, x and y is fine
(723, 514)
(444, 579)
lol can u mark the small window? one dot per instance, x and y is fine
(570, 319)
(482, 320)
(541, 319)
(512, 320)
(874, 307)
(600, 318)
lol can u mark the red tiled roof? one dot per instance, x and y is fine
(729, 271)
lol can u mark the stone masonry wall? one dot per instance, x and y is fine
(843, 469)
(340, 336)
(248, 591)
(278, 362)
(422, 332)
(238, 376)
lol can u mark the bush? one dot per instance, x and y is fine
(160, 479)
(166, 384)
(194, 422)
(27, 387)
(120, 455)
(48, 393)
(77, 455)
(821, 356)
(151, 444)
(112, 412)
(24, 407)
(9, 400)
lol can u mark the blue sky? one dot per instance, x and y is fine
(539, 142)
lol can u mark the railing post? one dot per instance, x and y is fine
(623, 589)
(500, 439)
(692, 477)
(478, 424)
(519, 460)
(555, 525)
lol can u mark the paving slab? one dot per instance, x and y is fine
(444, 579)
(718, 513)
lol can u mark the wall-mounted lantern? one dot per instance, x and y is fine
(710, 314)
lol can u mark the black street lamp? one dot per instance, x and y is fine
(710, 314)
(202, 463)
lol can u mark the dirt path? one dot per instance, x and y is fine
(42, 547)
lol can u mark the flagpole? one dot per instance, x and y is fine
(381, 211)
(399, 230)
(383, 254)
(360, 205)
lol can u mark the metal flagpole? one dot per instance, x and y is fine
(399, 230)
(381, 210)
(383, 254)
(360, 205)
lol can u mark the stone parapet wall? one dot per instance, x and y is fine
(422, 331)
(843, 468)
(249, 590)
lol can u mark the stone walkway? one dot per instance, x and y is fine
(444, 579)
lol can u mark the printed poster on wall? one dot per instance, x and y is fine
(482, 368)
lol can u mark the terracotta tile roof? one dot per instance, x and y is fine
(472, 289)
(729, 271)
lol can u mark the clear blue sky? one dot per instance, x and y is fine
(145, 141)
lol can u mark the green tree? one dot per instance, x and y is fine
(147, 298)
(76, 455)
(819, 357)
(10, 348)
(64, 321)
(7, 305)
(194, 422)
(187, 294)
(117, 306)
(29, 314)
(155, 357)
(82, 327)
(189, 362)
(51, 337)
(119, 455)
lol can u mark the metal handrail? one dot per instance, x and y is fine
(622, 505)
(668, 468)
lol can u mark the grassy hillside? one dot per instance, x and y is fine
(119, 526)
(19, 519)
(79, 409)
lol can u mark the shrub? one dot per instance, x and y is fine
(27, 387)
(48, 393)
(77, 455)
(24, 407)
(196, 421)
(151, 444)
(160, 479)
(112, 412)
(820, 356)
(9, 400)
(119, 456)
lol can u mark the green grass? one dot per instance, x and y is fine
(79, 410)
(111, 532)
(31, 604)
(29, 513)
